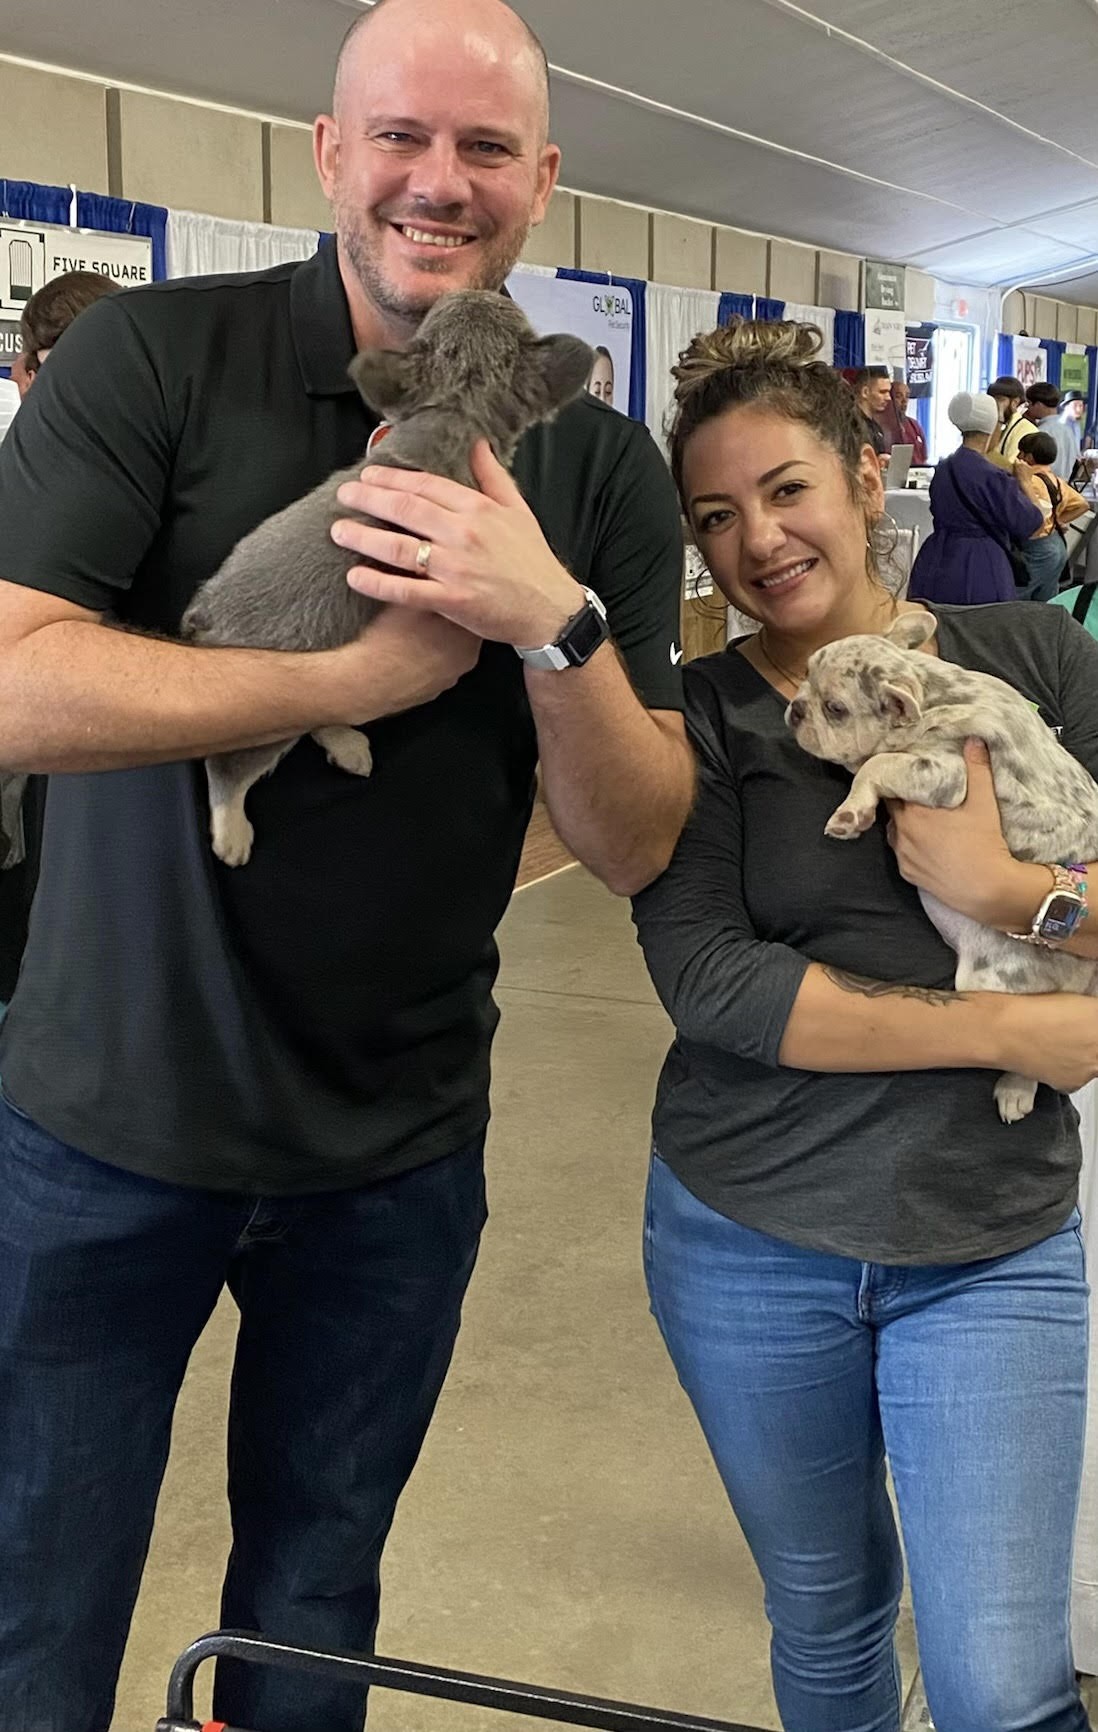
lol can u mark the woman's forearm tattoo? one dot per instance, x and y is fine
(853, 983)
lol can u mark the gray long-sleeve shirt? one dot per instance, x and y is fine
(894, 1167)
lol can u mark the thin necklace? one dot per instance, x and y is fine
(798, 679)
(784, 673)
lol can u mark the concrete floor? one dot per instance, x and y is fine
(565, 1525)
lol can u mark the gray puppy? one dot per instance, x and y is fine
(898, 720)
(474, 370)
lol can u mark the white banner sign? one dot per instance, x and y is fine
(886, 342)
(1030, 361)
(600, 314)
(34, 253)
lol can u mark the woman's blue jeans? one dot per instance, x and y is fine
(806, 1371)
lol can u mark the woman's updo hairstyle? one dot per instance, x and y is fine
(776, 365)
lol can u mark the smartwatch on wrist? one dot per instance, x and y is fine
(577, 643)
(1062, 912)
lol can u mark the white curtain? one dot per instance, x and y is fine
(202, 246)
(1084, 1599)
(9, 403)
(675, 316)
(824, 317)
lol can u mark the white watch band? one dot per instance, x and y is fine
(549, 658)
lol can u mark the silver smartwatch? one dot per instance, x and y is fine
(577, 643)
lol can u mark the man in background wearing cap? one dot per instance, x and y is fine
(978, 514)
(1009, 396)
(1067, 430)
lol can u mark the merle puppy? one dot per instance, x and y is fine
(898, 719)
(475, 370)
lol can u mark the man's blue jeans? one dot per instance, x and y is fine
(349, 1303)
(804, 1370)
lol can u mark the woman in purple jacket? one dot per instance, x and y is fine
(978, 511)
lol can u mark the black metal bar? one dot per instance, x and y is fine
(434, 1681)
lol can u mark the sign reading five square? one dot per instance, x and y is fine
(34, 253)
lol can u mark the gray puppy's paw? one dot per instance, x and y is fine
(850, 821)
(232, 835)
(1014, 1097)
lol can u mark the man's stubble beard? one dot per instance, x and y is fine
(498, 258)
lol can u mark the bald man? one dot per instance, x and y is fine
(276, 1077)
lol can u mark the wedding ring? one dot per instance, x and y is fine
(423, 557)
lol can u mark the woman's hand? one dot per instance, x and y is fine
(961, 856)
(1052, 1036)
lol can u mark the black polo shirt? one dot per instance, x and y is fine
(322, 1016)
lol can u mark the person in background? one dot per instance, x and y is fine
(51, 310)
(1067, 430)
(898, 427)
(978, 513)
(872, 388)
(1042, 400)
(45, 319)
(1009, 396)
(600, 380)
(1045, 552)
(854, 1264)
(21, 374)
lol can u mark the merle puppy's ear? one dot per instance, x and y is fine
(899, 703)
(386, 378)
(564, 364)
(912, 629)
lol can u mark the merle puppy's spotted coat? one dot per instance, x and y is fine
(474, 371)
(898, 719)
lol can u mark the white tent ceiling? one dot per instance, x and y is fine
(957, 135)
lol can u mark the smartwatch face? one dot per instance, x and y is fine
(584, 637)
(1061, 918)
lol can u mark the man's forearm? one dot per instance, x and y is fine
(618, 780)
(77, 695)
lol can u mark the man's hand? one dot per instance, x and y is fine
(400, 661)
(961, 856)
(490, 569)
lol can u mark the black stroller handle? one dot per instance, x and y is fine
(435, 1681)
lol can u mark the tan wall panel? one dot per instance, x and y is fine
(792, 274)
(840, 282)
(554, 243)
(191, 158)
(52, 128)
(613, 237)
(1088, 325)
(1067, 322)
(682, 252)
(296, 199)
(918, 294)
(741, 262)
(1044, 317)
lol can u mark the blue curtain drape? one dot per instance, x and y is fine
(121, 216)
(1005, 358)
(768, 309)
(1055, 353)
(919, 407)
(638, 360)
(26, 201)
(849, 340)
(732, 306)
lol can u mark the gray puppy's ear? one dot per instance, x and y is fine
(899, 703)
(565, 365)
(911, 630)
(385, 377)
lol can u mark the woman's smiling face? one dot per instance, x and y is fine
(775, 518)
